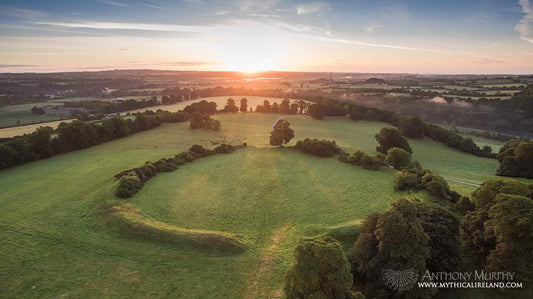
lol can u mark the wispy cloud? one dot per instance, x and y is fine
(487, 60)
(526, 53)
(311, 7)
(114, 3)
(372, 28)
(152, 6)
(524, 25)
(127, 26)
(22, 13)
(360, 43)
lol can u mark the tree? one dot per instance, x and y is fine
(285, 106)
(39, 142)
(511, 225)
(320, 270)
(37, 110)
(412, 127)
(230, 106)
(398, 158)
(393, 240)
(244, 105)
(442, 228)
(389, 138)
(516, 159)
(266, 106)
(317, 111)
(497, 233)
(281, 133)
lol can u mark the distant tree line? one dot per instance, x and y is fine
(101, 108)
(46, 142)
(132, 180)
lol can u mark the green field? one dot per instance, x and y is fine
(10, 114)
(54, 243)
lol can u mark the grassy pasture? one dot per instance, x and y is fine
(55, 244)
(10, 114)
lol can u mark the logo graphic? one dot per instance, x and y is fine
(400, 280)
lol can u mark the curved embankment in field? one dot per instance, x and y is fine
(129, 223)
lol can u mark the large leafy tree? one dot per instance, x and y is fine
(320, 270)
(497, 233)
(516, 159)
(231, 106)
(394, 240)
(389, 138)
(281, 133)
(244, 105)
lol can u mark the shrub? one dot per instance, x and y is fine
(355, 158)
(398, 158)
(224, 149)
(405, 180)
(199, 151)
(435, 185)
(368, 162)
(165, 165)
(129, 185)
(149, 169)
(183, 157)
(321, 148)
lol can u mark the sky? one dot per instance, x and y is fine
(413, 36)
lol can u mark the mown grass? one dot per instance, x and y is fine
(54, 243)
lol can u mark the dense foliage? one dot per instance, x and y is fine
(360, 158)
(389, 138)
(321, 148)
(202, 107)
(498, 232)
(392, 240)
(516, 159)
(398, 158)
(320, 270)
(203, 121)
(281, 133)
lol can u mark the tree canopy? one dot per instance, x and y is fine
(389, 138)
(281, 133)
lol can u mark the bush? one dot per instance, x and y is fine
(355, 158)
(165, 165)
(368, 162)
(321, 148)
(199, 151)
(405, 180)
(183, 157)
(129, 185)
(149, 169)
(398, 158)
(224, 149)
